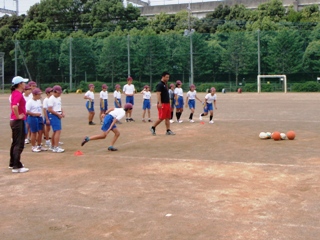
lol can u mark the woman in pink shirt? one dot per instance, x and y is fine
(18, 115)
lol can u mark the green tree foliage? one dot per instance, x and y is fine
(284, 52)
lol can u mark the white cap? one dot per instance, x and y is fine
(18, 79)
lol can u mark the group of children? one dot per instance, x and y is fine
(41, 117)
(109, 117)
(176, 101)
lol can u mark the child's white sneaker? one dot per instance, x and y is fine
(211, 121)
(36, 149)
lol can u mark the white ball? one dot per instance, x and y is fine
(283, 136)
(263, 135)
(268, 134)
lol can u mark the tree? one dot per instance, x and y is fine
(239, 54)
(285, 51)
(311, 58)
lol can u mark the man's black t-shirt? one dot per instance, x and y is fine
(162, 87)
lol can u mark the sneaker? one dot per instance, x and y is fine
(153, 131)
(101, 123)
(92, 123)
(211, 121)
(171, 121)
(50, 148)
(60, 143)
(58, 150)
(48, 143)
(200, 117)
(149, 120)
(131, 120)
(127, 119)
(42, 148)
(20, 170)
(169, 132)
(180, 121)
(190, 120)
(35, 149)
(111, 148)
(26, 141)
(143, 120)
(85, 140)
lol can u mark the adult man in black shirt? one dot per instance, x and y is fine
(163, 104)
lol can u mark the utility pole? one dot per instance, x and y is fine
(190, 32)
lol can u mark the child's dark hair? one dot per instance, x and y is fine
(14, 87)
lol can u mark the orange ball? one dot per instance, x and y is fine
(291, 135)
(276, 136)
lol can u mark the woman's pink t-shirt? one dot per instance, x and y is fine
(18, 100)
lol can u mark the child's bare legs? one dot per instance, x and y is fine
(143, 115)
(115, 137)
(91, 115)
(33, 139)
(55, 138)
(149, 113)
(101, 117)
(39, 137)
(103, 135)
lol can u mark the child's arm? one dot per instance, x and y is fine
(187, 101)
(215, 104)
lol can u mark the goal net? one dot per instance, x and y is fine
(281, 77)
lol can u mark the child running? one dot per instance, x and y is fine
(103, 101)
(146, 103)
(55, 114)
(89, 95)
(191, 101)
(46, 120)
(178, 97)
(34, 111)
(208, 107)
(171, 96)
(111, 116)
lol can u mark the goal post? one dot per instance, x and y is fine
(282, 77)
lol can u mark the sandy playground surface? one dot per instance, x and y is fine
(210, 181)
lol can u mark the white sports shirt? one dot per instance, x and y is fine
(146, 95)
(55, 103)
(128, 89)
(34, 106)
(90, 95)
(118, 113)
(117, 94)
(104, 94)
(178, 91)
(210, 98)
(192, 95)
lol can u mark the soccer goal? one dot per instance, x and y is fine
(281, 77)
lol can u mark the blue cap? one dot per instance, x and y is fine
(18, 79)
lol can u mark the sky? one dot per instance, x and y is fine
(24, 5)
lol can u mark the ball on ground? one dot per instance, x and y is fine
(263, 135)
(283, 136)
(291, 135)
(276, 136)
(268, 134)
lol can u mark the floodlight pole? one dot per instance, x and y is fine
(259, 67)
(129, 73)
(2, 69)
(70, 64)
(191, 47)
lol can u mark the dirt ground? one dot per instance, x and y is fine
(209, 181)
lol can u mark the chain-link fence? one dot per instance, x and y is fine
(229, 58)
